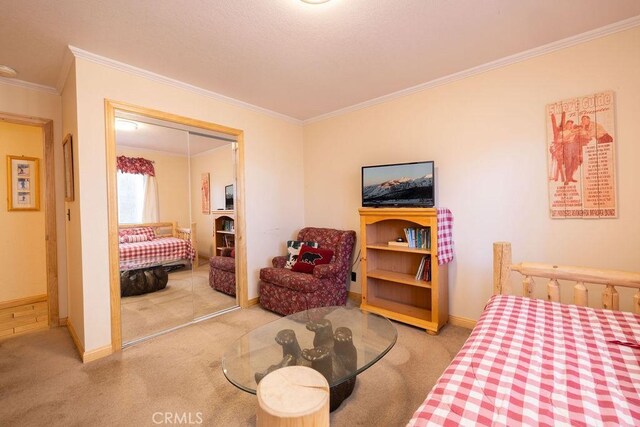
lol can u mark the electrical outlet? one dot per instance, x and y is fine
(353, 276)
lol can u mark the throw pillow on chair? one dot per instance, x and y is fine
(310, 257)
(293, 250)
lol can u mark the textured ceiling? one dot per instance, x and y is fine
(294, 58)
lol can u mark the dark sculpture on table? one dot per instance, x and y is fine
(333, 355)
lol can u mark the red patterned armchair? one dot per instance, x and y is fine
(222, 273)
(285, 291)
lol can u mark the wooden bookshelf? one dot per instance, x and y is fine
(389, 286)
(223, 230)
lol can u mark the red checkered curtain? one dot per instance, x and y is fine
(136, 165)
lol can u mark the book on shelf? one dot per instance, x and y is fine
(395, 243)
(424, 269)
(418, 238)
(229, 241)
(227, 225)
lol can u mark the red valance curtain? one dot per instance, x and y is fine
(136, 165)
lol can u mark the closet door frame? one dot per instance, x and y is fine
(114, 271)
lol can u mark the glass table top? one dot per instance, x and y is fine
(339, 342)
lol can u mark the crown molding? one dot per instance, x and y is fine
(502, 62)
(29, 85)
(67, 62)
(121, 66)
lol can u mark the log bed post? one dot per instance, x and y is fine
(194, 239)
(553, 291)
(580, 294)
(527, 287)
(610, 298)
(501, 268)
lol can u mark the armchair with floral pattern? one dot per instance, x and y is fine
(286, 292)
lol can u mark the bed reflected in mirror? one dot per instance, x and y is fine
(169, 180)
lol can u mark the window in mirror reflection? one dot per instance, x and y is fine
(130, 198)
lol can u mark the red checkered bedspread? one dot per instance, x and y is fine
(159, 249)
(533, 362)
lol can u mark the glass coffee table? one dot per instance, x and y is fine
(338, 342)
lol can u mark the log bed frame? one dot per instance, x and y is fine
(168, 229)
(502, 268)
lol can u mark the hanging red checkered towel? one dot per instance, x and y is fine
(445, 236)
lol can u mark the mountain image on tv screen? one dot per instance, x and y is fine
(407, 184)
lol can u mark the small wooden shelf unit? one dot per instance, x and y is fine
(389, 286)
(223, 238)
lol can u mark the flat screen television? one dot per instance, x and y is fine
(399, 185)
(228, 197)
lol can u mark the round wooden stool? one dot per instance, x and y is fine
(293, 396)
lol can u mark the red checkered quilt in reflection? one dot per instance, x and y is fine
(156, 250)
(533, 362)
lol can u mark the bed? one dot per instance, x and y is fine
(535, 362)
(160, 242)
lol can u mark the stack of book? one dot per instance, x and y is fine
(418, 238)
(424, 270)
(227, 225)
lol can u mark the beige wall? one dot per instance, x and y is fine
(22, 256)
(487, 137)
(274, 202)
(219, 164)
(172, 176)
(72, 223)
(29, 102)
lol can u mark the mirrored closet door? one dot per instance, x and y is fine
(171, 186)
(212, 166)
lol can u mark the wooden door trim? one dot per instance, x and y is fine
(112, 196)
(51, 234)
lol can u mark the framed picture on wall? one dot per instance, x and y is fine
(206, 193)
(228, 197)
(23, 183)
(67, 150)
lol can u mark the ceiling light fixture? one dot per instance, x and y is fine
(6, 71)
(126, 125)
(315, 1)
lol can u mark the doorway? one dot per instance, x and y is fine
(44, 306)
(184, 280)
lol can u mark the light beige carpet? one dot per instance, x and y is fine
(186, 296)
(43, 382)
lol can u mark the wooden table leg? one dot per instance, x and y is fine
(293, 396)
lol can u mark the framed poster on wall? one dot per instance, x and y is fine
(23, 183)
(206, 193)
(581, 144)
